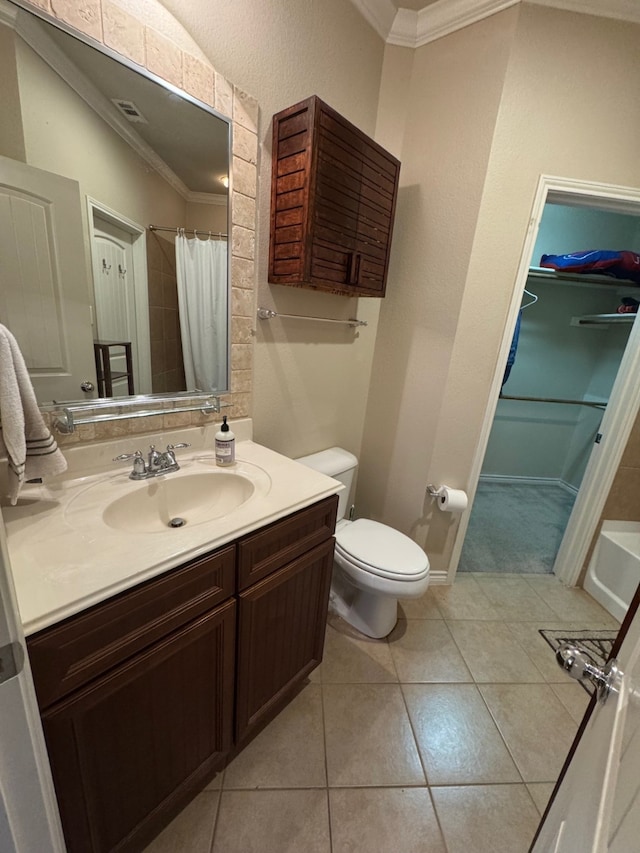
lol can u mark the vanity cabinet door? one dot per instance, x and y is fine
(128, 750)
(281, 626)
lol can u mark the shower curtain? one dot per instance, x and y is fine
(202, 299)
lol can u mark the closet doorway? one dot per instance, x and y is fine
(547, 420)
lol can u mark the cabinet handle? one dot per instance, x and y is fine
(354, 268)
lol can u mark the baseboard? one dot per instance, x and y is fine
(529, 481)
(438, 578)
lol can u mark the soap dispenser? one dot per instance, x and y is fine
(225, 445)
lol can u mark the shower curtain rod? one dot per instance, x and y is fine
(555, 400)
(195, 230)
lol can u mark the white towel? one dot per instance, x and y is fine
(31, 449)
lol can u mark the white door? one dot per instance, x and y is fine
(29, 821)
(113, 284)
(597, 805)
(44, 289)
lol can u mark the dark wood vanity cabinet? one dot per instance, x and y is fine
(333, 198)
(144, 696)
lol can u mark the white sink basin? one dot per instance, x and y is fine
(179, 500)
(165, 502)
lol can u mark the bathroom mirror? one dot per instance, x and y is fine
(106, 174)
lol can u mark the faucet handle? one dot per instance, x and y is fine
(178, 446)
(124, 456)
(138, 463)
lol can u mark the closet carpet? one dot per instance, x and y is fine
(516, 527)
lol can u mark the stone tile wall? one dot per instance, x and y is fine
(122, 26)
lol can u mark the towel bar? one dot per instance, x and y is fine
(268, 314)
(64, 419)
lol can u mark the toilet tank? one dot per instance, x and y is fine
(339, 464)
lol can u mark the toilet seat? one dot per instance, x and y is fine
(381, 550)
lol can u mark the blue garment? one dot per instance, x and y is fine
(512, 350)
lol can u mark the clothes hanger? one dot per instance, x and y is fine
(533, 301)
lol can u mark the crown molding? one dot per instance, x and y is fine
(379, 13)
(447, 16)
(8, 13)
(207, 198)
(619, 10)
(408, 28)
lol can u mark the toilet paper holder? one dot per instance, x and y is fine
(435, 491)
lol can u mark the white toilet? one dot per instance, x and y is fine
(374, 565)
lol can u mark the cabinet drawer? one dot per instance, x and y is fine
(82, 647)
(276, 545)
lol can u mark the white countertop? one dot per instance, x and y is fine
(65, 558)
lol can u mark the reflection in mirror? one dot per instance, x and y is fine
(113, 222)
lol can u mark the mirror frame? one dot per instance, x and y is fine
(204, 87)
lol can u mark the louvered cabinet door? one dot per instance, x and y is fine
(355, 196)
(280, 635)
(333, 198)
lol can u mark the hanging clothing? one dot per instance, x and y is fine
(513, 348)
(203, 302)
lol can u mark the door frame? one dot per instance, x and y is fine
(624, 401)
(140, 281)
(29, 818)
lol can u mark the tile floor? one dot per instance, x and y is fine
(445, 738)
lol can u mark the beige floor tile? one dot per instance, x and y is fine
(574, 698)
(289, 753)
(419, 608)
(486, 818)
(192, 830)
(423, 650)
(351, 659)
(380, 820)
(272, 822)
(457, 738)
(369, 741)
(540, 652)
(570, 605)
(540, 793)
(216, 783)
(535, 725)
(492, 653)
(464, 599)
(515, 599)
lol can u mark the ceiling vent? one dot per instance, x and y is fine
(129, 110)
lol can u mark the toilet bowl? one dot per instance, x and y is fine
(374, 564)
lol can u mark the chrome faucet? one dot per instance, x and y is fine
(157, 463)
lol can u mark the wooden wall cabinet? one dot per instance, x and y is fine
(137, 694)
(333, 199)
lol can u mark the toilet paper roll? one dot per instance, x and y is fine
(452, 500)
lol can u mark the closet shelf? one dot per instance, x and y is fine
(605, 282)
(603, 320)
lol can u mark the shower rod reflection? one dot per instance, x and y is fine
(267, 314)
(205, 232)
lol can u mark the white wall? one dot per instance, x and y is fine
(452, 99)
(310, 380)
(553, 90)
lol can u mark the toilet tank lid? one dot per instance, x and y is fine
(334, 460)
